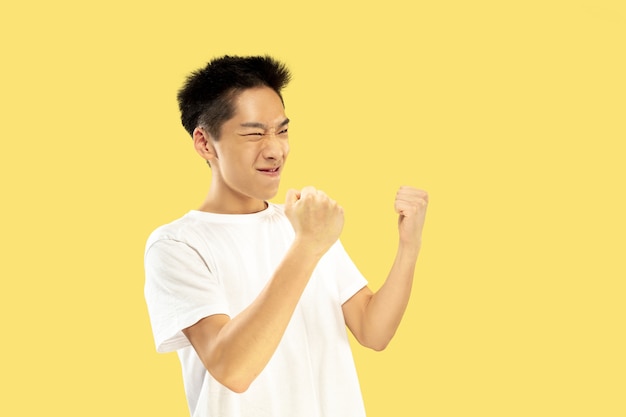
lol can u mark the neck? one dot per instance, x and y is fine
(219, 203)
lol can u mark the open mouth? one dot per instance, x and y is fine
(270, 170)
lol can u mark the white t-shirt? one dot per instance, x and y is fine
(206, 263)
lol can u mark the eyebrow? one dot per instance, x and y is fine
(261, 125)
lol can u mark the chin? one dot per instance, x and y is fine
(269, 195)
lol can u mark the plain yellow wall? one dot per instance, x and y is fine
(511, 114)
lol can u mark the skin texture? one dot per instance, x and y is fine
(254, 142)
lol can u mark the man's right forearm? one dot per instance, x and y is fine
(243, 346)
(236, 350)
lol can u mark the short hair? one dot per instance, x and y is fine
(206, 98)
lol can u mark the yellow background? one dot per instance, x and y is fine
(511, 114)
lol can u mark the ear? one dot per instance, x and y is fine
(203, 143)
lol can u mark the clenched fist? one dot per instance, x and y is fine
(411, 205)
(316, 218)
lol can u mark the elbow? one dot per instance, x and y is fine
(379, 346)
(229, 374)
(235, 380)
(238, 387)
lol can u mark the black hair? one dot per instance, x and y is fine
(206, 98)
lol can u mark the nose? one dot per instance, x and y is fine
(273, 147)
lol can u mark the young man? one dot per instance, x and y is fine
(254, 296)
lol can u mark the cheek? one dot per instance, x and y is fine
(243, 155)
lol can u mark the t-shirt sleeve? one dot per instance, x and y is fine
(180, 289)
(349, 278)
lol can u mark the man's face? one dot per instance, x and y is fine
(252, 148)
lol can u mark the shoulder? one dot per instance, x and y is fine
(180, 230)
(199, 229)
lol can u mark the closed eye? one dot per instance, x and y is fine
(260, 134)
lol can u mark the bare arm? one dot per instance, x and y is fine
(236, 350)
(373, 318)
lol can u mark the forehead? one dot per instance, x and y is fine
(260, 104)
